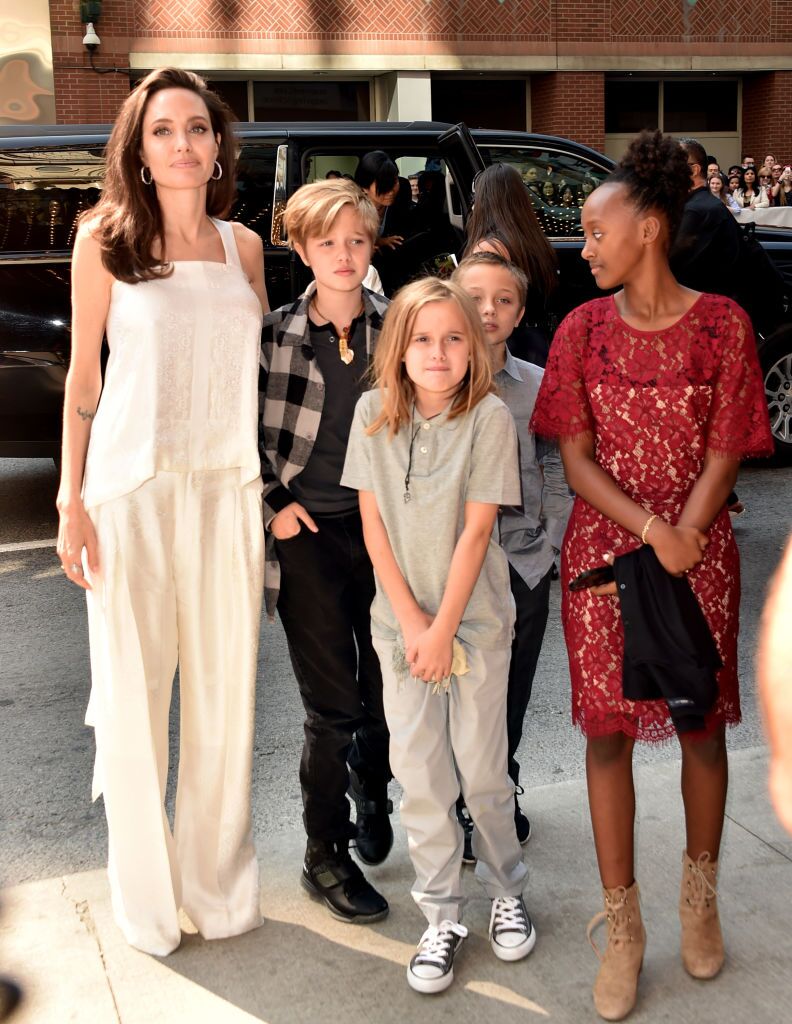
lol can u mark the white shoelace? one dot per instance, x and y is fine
(508, 914)
(436, 942)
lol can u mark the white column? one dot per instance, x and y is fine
(404, 96)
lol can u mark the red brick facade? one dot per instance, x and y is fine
(554, 42)
(570, 103)
(767, 119)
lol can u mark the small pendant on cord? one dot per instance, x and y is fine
(407, 497)
(345, 353)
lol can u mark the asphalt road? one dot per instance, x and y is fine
(48, 825)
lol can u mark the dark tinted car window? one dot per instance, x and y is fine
(255, 188)
(559, 183)
(42, 195)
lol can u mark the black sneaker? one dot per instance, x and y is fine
(522, 825)
(464, 819)
(373, 837)
(432, 968)
(330, 875)
(512, 936)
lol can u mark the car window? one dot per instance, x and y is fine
(256, 187)
(318, 165)
(558, 182)
(44, 192)
(427, 221)
(42, 195)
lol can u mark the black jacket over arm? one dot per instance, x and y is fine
(669, 652)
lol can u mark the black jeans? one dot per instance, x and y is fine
(529, 628)
(327, 586)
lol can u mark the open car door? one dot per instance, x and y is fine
(463, 159)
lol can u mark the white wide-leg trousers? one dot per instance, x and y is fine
(180, 582)
(441, 744)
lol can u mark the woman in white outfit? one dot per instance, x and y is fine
(160, 508)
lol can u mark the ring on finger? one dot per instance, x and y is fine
(75, 567)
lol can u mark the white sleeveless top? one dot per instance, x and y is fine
(181, 385)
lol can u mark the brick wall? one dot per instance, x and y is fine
(570, 103)
(767, 123)
(81, 95)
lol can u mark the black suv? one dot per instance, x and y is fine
(49, 176)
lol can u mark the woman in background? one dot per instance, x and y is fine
(503, 220)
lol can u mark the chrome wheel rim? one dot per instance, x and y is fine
(778, 391)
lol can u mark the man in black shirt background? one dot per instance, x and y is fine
(706, 253)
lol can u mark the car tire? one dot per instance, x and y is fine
(776, 360)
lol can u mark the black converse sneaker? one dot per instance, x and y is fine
(432, 968)
(512, 936)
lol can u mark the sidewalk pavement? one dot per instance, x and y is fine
(58, 939)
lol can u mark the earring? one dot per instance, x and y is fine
(143, 170)
(219, 175)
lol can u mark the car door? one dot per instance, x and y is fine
(463, 158)
(45, 190)
(259, 204)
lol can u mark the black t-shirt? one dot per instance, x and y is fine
(318, 486)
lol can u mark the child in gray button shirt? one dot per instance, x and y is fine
(530, 535)
(433, 454)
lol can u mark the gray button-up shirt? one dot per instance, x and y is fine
(531, 535)
(470, 458)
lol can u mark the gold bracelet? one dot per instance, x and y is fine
(645, 530)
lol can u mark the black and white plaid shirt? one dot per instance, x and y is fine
(291, 399)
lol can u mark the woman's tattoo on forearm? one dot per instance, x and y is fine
(85, 414)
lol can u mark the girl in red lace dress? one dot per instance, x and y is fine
(655, 394)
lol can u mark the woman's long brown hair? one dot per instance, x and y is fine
(503, 209)
(128, 215)
(390, 374)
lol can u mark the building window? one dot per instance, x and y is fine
(688, 106)
(234, 94)
(480, 102)
(288, 100)
(703, 106)
(631, 106)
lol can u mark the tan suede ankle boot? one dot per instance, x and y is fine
(702, 941)
(616, 986)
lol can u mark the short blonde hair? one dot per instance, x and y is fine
(311, 210)
(492, 259)
(390, 373)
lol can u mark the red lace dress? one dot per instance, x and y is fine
(655, 402)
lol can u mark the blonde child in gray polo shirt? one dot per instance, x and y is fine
(433, 454)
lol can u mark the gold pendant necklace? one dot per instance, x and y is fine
(345, 353)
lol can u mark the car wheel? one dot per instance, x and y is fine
(777, 375)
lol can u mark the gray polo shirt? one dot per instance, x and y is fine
(470, 458)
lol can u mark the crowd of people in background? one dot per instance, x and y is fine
(747, 187)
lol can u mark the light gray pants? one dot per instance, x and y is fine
(439, 744)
